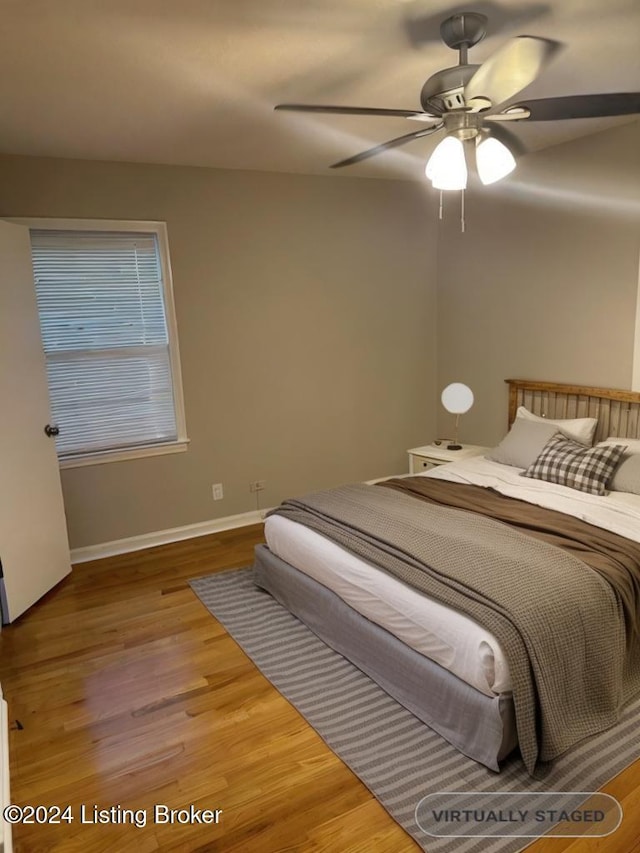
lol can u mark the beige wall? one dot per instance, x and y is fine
(307, 314)
(543, 283)
(307, 323)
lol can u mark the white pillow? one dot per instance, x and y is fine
(524, 442)
(632, 444)
(627, 477)
(581, 430)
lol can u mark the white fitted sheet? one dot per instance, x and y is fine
(445, 636)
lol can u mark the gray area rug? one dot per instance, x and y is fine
(399, 758)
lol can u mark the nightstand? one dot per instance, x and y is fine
(423, 458)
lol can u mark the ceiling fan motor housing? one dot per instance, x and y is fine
(462, 125)
(444, 90)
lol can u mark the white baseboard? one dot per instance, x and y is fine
(162, 537)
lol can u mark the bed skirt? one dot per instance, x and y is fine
(480, 726)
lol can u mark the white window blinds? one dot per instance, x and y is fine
(102, 315)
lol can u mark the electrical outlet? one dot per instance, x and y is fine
(257, 486)
(217, 491)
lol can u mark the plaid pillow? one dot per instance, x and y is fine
(588, 469)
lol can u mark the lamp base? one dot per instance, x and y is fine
(454, 447)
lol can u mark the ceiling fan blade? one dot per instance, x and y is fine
(392, 143)
(582, 106)
(354, 111)
(512, 67)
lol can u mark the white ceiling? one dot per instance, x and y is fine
(194, 82)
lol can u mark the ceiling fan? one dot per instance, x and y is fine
(468, 102)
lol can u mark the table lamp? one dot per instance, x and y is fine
(457, 399)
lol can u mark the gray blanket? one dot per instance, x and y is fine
(560, 624)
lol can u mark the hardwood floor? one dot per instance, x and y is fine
(124, 691)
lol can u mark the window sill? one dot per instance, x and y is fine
(123, 455)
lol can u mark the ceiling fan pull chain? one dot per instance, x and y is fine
(462, 223)
(440, 209)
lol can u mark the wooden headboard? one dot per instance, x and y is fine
(618, 412)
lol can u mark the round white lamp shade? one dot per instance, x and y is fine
(457, 398)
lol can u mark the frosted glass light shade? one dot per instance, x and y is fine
(447, 168)
(457, 398)
(493, 159)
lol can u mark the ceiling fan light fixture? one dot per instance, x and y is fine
(493, 159)
(447, 168)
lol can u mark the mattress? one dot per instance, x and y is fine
(445, 636)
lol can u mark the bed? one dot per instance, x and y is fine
(450, 652)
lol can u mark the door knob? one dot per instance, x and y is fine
(52, 430)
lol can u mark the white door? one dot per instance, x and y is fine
(34, 549)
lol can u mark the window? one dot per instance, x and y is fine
(109, 335)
